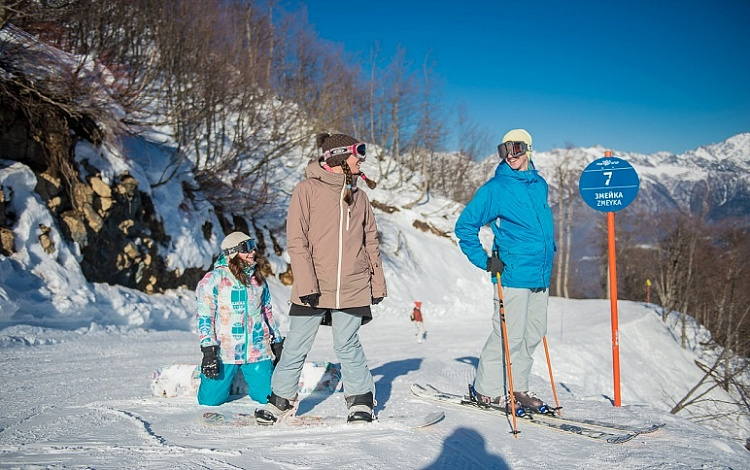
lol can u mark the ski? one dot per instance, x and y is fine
(603, 432)
(214, 418)
(588, 422)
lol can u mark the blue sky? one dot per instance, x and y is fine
(640, 76)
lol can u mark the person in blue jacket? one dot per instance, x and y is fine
(514, 203)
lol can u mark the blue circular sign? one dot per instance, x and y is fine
(609, 184)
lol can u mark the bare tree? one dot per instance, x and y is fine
(429, 136)
(228, 120)
(473, 144)
(566, 170)
(399, 108)
(10, 11)
(728, 370)
(725, 288)
(675, 257)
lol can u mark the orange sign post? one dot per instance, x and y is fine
(612, 255)
(608, 185)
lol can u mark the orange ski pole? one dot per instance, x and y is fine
(507, 355)
(551, 378)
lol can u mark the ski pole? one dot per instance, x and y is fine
(507, 355)
(551, 378)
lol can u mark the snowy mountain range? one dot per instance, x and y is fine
(713, 180)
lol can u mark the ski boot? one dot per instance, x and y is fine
(483, 401)
(531, 402)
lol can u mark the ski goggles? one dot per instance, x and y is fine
(248, 246)
(513, 149)
(358, 149)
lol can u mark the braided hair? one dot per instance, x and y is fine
(348, 196)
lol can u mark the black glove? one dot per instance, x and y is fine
(210, 364)
(376, 300)
(277, 348)
(494, 265)
(310, 299)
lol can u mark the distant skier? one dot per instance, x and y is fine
(416, 317)
(235, 324)
(332, 240)
(515, 202)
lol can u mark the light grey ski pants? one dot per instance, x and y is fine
(526, 322)
(302, 331)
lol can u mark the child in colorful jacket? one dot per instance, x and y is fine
(235, 324)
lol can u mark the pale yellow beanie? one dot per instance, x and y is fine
(232, 240)
(518, 135)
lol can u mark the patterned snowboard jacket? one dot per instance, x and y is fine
(231, 315)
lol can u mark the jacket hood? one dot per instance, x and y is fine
(221, 261)
(503, 169)
(315, 171)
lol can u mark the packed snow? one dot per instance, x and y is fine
(78, 361)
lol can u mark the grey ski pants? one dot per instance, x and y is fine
(302, 331)
(526, 322)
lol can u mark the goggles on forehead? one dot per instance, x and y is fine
(358, 149)
(244, 247)
(513, 149)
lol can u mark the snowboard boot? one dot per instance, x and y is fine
(277, 408)
(531, 402)
(360, 408)
(484, 401)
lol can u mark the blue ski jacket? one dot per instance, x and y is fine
(516, 204)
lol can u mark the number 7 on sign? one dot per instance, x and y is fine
(608, 174)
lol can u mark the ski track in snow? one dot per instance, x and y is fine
(86, 402)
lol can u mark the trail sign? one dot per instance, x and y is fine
(609, 184)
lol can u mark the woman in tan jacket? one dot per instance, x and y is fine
(332, 240)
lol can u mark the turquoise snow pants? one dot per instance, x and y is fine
(214, 392)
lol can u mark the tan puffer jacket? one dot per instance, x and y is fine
(334, 247)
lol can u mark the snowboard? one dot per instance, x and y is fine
(217, 418)
(183, 380)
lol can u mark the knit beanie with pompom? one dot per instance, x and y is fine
(326, 142)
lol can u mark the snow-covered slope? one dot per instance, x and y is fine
(82, 398)
(75, 388)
